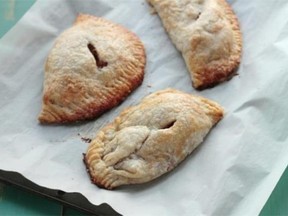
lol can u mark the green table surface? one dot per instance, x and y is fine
(16, 202)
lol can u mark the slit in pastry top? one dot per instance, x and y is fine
(207, 34)
(92, 67)
(150, 139)
(99, 62)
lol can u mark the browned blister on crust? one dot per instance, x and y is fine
(92, 67)
(150, 139)
(207, 34)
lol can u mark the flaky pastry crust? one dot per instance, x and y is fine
(92, 67)
(207, 34)
(152, 138)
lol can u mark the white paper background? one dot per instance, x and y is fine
(234, 170)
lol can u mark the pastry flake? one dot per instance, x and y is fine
(149, 139)
(92, 67)
(207, 34)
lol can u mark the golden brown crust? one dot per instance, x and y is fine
(150, 139)
(208, 35)
(218, 71)
(92, 67)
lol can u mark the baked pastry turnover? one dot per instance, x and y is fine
(152, 138)
(207, 34)
(92, 67)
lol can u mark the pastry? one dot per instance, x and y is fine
(152, 138)
(92, 67)
(207, 34)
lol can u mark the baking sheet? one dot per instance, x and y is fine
(232, 173)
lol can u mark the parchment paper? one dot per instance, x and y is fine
(234, 170)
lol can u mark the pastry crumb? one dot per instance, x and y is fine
(85, 139)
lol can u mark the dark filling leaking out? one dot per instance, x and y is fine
(100, 63)
(169, 125)
(199, 14)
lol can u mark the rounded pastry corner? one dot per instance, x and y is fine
(94, 180)
(43, 119)
(81, 17)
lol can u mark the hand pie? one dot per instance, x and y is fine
(92, 67)
(150, 139)
(207, 34)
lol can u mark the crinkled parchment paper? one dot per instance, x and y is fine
(234, 170)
